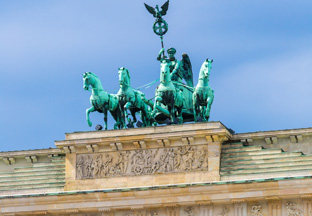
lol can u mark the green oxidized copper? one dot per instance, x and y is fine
(178, 69)
(168, 95)
(203, 95)
(101, 101)
(176, 98)
(131, 100)
(160, 26)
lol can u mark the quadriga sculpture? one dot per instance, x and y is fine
(101, 101)
(130, 99)
(168, 95)
(203, 95)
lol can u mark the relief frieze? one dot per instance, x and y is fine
(142, 162)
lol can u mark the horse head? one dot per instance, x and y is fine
(124, 77)
(90, 78)
(164, 71)
(87, 80)
(205, 69)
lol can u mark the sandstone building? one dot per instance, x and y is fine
(199, 169)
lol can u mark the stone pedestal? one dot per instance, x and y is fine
(141, 157)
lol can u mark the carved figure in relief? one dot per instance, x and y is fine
(89, 167)
(165, 161)
(141, 162)
(225, 212)
(290, 209)
(200, 159)
(255, 211)
(171, 156)
(152, 213)
(107, 164)
(98, 165)
(178, 158)
(189, 211)
(80, 168)
(189, 158)
(138, 162)
(122, 162)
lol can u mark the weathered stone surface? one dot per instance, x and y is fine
(142, 162)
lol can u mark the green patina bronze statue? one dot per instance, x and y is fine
(101, 101)
(176, 99)
(203, 95)
(130, 99)
(178, 69)
(168, 94)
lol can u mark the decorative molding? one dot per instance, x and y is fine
(238, 201)
(203, 203)
(40, 213)
(12, 160)
(104, 209)
(135, 208)
(247, 141)
(271, 140)
(163, 142)
(31, 159)
(72, 211)
(9, 161)
(69, 149)
(116, 146)
(142, 162)
(188, 140)
(216, 138)
(273, 198)
(139, 144)
(92, 148)
(296, 138)
(306, 196)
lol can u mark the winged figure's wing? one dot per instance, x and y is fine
(164, 8)
(187, 70)
(150, 9)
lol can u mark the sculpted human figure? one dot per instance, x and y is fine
(179, 70)
(171, 156)
(80, 167)
(189, 159)
(89, 167)
(98, 165)
(107, 160)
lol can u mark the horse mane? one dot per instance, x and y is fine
(92, 74)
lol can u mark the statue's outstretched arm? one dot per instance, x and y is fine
(159, 58)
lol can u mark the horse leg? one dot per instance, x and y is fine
(158, 100)
(105, 118)
(209, 103)
(91, 109)
(115, 117)
(180, 115)
(134, 119)
(122, 115)
(195, 107)
(126, 107)
(144, 117)
(172, 110)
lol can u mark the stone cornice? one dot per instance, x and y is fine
(157, 196)
(273, 133)
(37, 152)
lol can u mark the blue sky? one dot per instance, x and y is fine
(261, 73)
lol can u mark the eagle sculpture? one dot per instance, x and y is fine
(155, 11)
